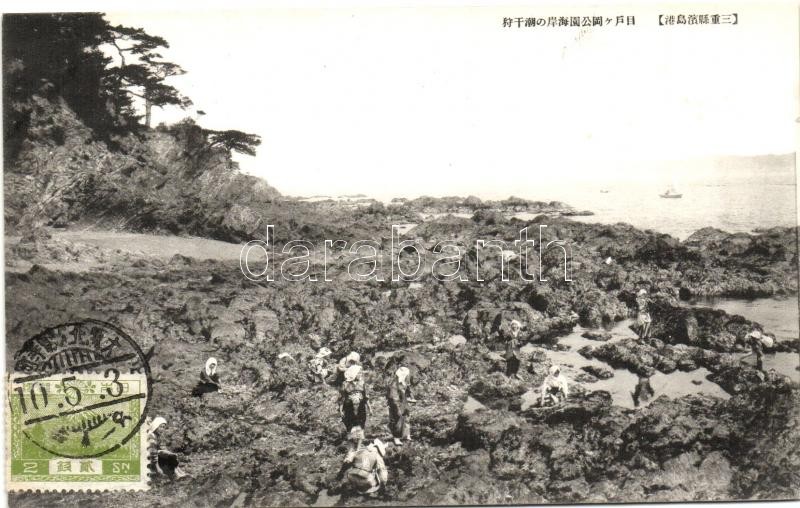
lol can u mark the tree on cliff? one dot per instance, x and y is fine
(141, 72)
(66, 55)
(200, 144)
(52, 55)
(233, 141)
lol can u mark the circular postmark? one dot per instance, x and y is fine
(79, 390)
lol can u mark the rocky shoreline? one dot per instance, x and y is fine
(273, 438)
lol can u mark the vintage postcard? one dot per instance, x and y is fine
(351, 255)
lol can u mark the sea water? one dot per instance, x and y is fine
(741, 206)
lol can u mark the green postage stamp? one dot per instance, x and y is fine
(71, 428)
(78, 431)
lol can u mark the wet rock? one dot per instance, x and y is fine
(666, 429)
(233, 334)
(596, 308)
(737, 378)
(482, 429)
(598, 371)
(179, 260)
(654, 354)
(596, 335)
(496, 390)
(695, 326)
(491, 323)
(690, 477)
(585, 377)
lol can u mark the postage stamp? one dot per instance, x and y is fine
(77, 407)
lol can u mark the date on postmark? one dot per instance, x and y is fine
(77, 403)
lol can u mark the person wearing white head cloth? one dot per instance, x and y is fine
(555, 387)
(755, 339)
(398, 396)
(348, 361)
(163, 461)
(512, 350)
(209, 379)
(366, 469)
(643, 320)
(353, 402)
(318, 366)
(157, 422)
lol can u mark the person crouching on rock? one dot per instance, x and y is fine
(367, 472)
(353, 399)
(399, 396)
(348, 361)
(209, 379)
(555, 387)
(318, 366)
(512, 350)
(163, 461)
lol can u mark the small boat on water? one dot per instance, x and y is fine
(671, 194)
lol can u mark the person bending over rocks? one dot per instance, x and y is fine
(353, 404)
(163, 461)
(318, 366)
(209, 379)
(555, 387)
(399, 395)
(756, 340)
(512, 350)
(366, 470)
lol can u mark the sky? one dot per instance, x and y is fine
(446, 101)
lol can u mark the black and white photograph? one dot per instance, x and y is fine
(444, 254)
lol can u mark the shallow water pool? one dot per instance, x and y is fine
(622, 384)
(777, 315)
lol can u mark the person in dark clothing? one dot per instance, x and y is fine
(755, 341)
(399, 396)
(512, 350)
(643, 319)
(643, 391)
(353, 399)
(163, 461)
(209, 379)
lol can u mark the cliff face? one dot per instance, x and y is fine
(166, 180)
